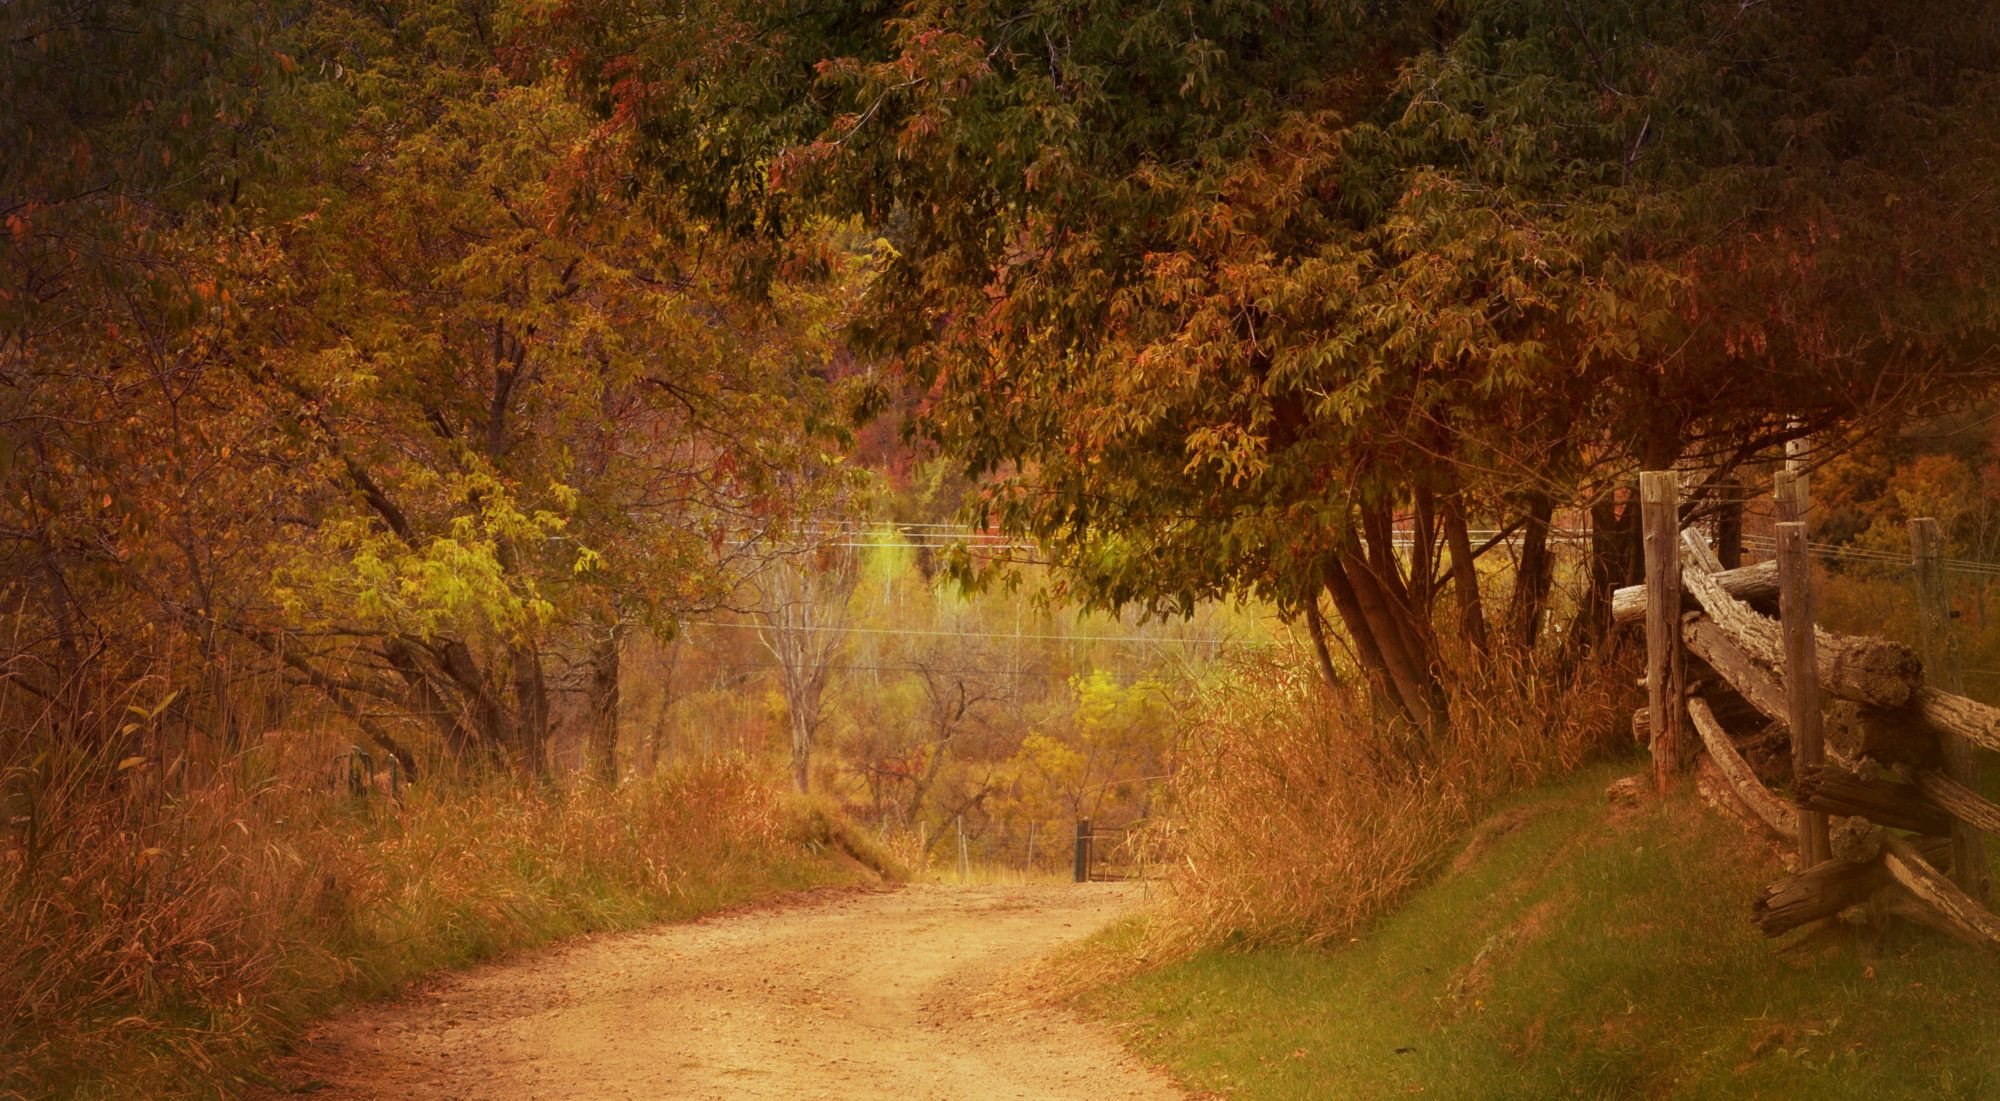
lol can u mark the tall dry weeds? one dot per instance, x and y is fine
(162, 922)
(1299, 816)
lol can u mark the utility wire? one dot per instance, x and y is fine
(866, 667)
(912, 631)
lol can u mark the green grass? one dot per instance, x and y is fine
(1579, 953)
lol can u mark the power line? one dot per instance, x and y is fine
(911, 631)
(866, 667)
(1885, 558)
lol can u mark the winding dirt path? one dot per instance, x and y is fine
(908, 994)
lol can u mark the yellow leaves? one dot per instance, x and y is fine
(150, 714)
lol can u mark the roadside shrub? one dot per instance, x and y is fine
(1300, 816)
(162, 924)
(816, 825)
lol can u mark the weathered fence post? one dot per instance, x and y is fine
(1031, 844)
(1083, 850)
(1802, 704)
(1788, 493)
(1798, 457)
(1659, 513)
(964, 862)
(1939, 645)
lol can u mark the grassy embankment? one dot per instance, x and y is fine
(1574, 950)
(159, 938)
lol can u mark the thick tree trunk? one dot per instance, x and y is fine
(482, 709)
(1406, 657)
(425, 701)
(1348, 604)
(1378, 523)
(603, 706)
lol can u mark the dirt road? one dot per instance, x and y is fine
(908, 994)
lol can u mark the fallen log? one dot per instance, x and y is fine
(1776, 816)
(1899, 806)
(1757, 584)
(1868, 670)
(1964, 917)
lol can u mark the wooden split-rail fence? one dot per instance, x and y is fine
(1883, 798)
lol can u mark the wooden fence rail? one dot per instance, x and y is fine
(1110, 853)
(1732, 652)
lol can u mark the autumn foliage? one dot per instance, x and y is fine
(1221, 298)
(382, 377)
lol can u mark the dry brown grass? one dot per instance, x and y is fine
(1299, 816)
(163, 923)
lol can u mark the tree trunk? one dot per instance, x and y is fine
(1405, 656)
(1316, 627)
(1464, 574)
(801, 752)
(1348, 604)
(531, 710)
(1531, 583)
(426, 701)
(603, 706)
(1609, 553)
(492, 722)
(1378, 523)
(1423, 551)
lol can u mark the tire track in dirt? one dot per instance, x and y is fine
(912, 994)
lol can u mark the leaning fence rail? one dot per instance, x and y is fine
(1871, 737)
